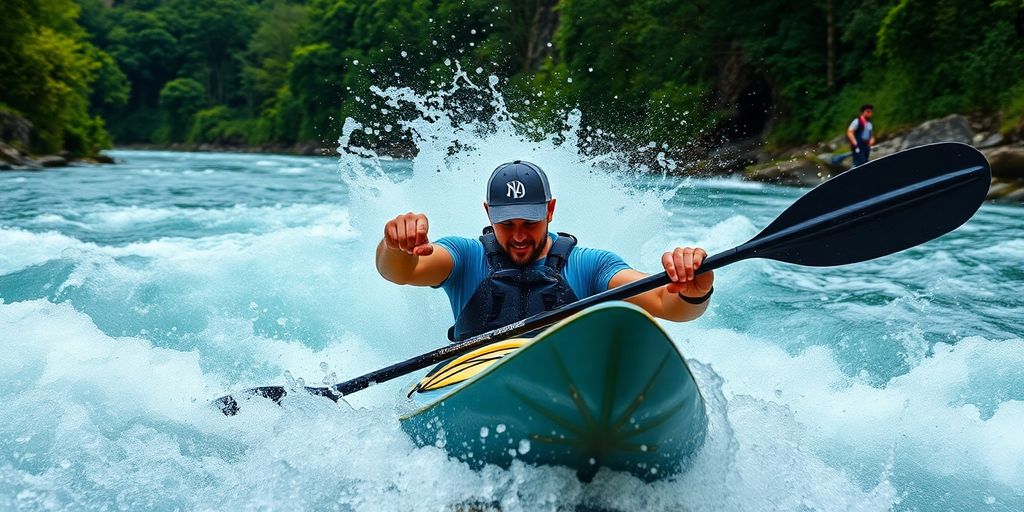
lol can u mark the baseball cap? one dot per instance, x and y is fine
(517, 190)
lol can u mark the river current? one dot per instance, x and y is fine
(133, 294)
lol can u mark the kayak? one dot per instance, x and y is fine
(603, 388)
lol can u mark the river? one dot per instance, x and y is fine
(134, 293)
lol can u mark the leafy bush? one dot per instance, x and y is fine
(219, 125)
(180, 99)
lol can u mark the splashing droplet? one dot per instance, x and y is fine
(524, 446)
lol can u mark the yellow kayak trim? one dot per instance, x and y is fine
(468, 365)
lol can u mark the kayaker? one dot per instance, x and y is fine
(517, 268)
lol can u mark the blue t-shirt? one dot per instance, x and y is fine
(588, 271)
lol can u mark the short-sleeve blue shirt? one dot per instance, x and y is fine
(587, 271)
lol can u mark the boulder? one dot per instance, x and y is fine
(952, 128)
(985, 141)
(804, 171)
(9, 154)
(1016, 196)
(52, 161)
(15, 129)
(1006, 161)
(1003, 189)
(887, 148)
(28, 164)
(736, 155)
(998, 189)
(839, 144)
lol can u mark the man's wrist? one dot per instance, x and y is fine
(697, 300)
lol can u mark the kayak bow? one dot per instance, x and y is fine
(603, 388)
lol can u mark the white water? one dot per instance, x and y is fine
(134, 294)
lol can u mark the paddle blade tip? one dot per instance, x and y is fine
(882, 207)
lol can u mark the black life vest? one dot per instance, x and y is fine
(510, 292)
(859, 131)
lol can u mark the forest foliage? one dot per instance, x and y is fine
(281, 72)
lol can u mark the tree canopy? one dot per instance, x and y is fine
(691, 72)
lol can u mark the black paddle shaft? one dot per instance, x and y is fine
(879, 208)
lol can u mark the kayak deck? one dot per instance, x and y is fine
(603, 388)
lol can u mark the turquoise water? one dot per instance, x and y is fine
(132, 294)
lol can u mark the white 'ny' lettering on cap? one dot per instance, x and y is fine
(516, 189)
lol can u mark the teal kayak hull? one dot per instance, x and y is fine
(603, 388)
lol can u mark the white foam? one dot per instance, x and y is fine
(922, 416)
(24, 248)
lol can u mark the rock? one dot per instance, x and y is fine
(984, 141)
(1006, 161)
(887, 148)
(4, 166)
(1017, 194)
(1006, 190)
(9, 154)
(770, 172)
(828, 158)
(15, 129)
(839, 144)
(736, 155)
(100, 158)
(52, 161)
(28, 164)
(806, 171)
(998, 189)
(952, 128)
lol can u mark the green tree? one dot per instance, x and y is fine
(180, 99)
(212, 34)
(268, 54)
(49, 71)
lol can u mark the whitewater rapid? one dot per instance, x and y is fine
(135, 293)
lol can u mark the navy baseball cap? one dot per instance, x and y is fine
(517, 190)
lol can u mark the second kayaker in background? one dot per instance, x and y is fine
(517, 268)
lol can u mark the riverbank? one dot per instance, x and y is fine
(801, 166)
(813, 164)
(14, 159)
(299, 149)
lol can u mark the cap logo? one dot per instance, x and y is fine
(516, 189)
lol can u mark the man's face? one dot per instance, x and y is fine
(523, 240)
(867, 114)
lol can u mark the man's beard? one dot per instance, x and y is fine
(530, 258)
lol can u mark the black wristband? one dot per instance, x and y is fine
(697, 300)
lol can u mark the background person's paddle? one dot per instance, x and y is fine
(879, 208)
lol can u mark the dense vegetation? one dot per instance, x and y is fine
(288, 71)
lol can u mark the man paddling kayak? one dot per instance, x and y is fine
(517, 268)
(912, 196)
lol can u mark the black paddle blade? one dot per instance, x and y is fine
(882, 207)
(229, 406)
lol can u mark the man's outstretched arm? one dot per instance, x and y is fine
(405, 256)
